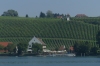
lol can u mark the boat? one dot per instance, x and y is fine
(67, 54)
(70, 54)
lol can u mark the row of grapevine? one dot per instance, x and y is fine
(55, 29)
(23, 29)
(56, 43)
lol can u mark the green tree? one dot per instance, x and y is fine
(26, 15)
(56, 48)
(49, 14)
(80, 47)
(1, 47)
(85, 48)
(36, 17)
(77, 47)
(37, 48)
(5, 48)
(98, 38)
(42, 15)
(11, 47)
(10, 13)
(94, 50)
(22, 47)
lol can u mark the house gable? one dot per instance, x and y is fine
(35, 40)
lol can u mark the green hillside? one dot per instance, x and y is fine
(54, 32)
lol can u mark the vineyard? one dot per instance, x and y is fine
(54, 32)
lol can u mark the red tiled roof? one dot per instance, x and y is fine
(5, 43)
(3, 51)
(80, 15)
(59, 16)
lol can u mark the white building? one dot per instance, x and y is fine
(68, 17)
(36, 40)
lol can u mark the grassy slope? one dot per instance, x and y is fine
(54, 32)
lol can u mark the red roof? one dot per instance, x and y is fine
(80, 15)
(5, 43)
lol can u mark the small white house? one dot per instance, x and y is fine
(68, 17)
(35, 40)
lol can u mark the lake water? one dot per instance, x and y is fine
(49, 61)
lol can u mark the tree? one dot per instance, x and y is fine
(94, 50)
(85, 48)
(77, 47)
(80, 47)
(11, 47)
(42, 15)
(5, 48)
(49, 14)
(26, 15)
(56, 15)
(56, 48)
(36, 17)
(22, 47)
(1, 47)
(37, 48)
(10, 13)
(98, 38)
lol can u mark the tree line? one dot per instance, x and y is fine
(49, 14)
(86, 48)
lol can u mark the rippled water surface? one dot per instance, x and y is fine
(49, 61)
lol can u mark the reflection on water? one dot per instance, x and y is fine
(44, 61)
(16, 62)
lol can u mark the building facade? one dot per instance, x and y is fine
(35, 40)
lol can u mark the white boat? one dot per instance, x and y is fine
(70, 54)
(67, 54)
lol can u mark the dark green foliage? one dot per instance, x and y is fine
(22, 47)
(37, 48)
(56, 48)
(42, 15)
(11, 47)
(36, 17)
(49, 14)
(82, 48)
(94, 50)
(26, 15)
(10, 13)
(77, 47)
(1, 47)
(98, 38)
(5, 49)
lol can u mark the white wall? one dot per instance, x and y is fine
(68, 19)
(33, 40)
